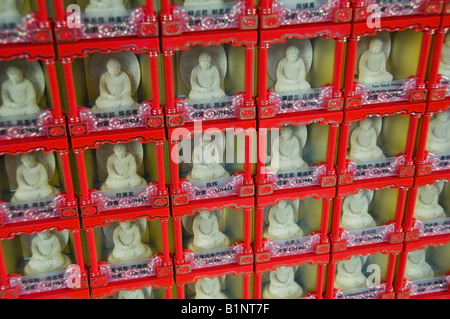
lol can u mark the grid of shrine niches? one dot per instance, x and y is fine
(64, 138)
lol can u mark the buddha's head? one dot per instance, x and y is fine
(120, 150)
(442, 117)
(292, 53)
(416, 256)
(113, 67)
(44, 235)
(29, 160)
(15, 74)
(366, 125)
(125, 225)
(286, 133)
(204, 214)
(204, 61)
(375, 46)
(283, 204)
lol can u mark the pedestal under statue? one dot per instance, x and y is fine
(281, 222)
(287, 149)
(208, 288)
(205, 80)
(372, 64)
(291, 72)
(46, 254)
(127, 244)
(115, 88)
(363, 141)
(206, 233)
(32, 180)
(349, 274)
(282, 285)
(355, 211)
(206, 161)
(427, 202)
(122, 170)
(438, 138)
(18, 94)
(417, 267)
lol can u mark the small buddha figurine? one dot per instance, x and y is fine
(427, 205)
(115, 88)
(438, 138)
(349, 274)
(363, 142)
(291, 72)
(122, 170)
(127, 244)
(33, 180)
(282, 285)
(206, 160)
(444, 66)
(105, 6)
(205, 80)
(9, 11)
(46, 254)
(287, 149)
(372, 64)
(18, 94)
(281, 222)
(208, 288)
(355, 211)
(206, 233)
(132, 294)
(417, 267)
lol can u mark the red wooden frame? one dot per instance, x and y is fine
(67, 52)
(97, 280)
(338, 244)
(235, 270)
(342, 12)
(81, 144)
(170, 45)
(339, 33)
(321, 261)
(178, 212)
(318, 193)
(172, 26)
(147, 28)
(391, 250)
(400, 288)
(427, 25)
(72, 225)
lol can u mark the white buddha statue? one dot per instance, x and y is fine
(208, 288)
(206, 233)
(291, 72)
(287, 149)
(417, 267)
(349, 274)
(32, 180)
(105, 7)
(438, 138)
(281, 222)
(282, 285)
(444, 66)
(122, 170)
(205, 80)
(132, 294)
(9, 11)
(427, 202)
(363, 142)
(355, 211)
(18, 94)
(115, 88)
(206, 161)
(372, 64)
(46, 254)
(127, 244)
